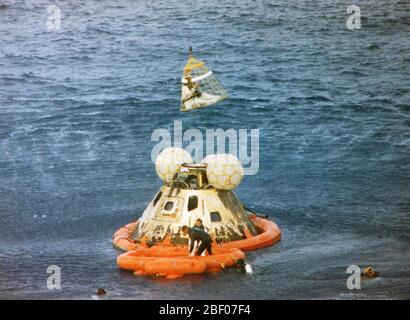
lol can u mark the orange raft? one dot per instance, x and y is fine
(270, 234)
(173, 262)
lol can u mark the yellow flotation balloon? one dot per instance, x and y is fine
(224, 171)
(169, 162)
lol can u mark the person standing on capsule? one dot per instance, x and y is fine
(198, 234)
(199, 225)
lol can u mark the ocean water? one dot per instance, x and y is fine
(78, 106)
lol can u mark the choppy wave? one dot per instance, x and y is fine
(78, 107)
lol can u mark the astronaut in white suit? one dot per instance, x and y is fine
(193, 98)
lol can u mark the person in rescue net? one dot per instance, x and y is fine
(190, 90)
(196, 234)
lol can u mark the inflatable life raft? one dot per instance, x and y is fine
(270, 234)
(173, 262)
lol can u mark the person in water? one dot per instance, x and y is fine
(197, 234)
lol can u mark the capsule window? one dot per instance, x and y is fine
(169, 206)
(192, 203)
(215, 216)
(157, 199)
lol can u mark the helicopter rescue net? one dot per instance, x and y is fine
(199, 86)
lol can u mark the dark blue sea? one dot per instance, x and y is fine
(78, 106)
